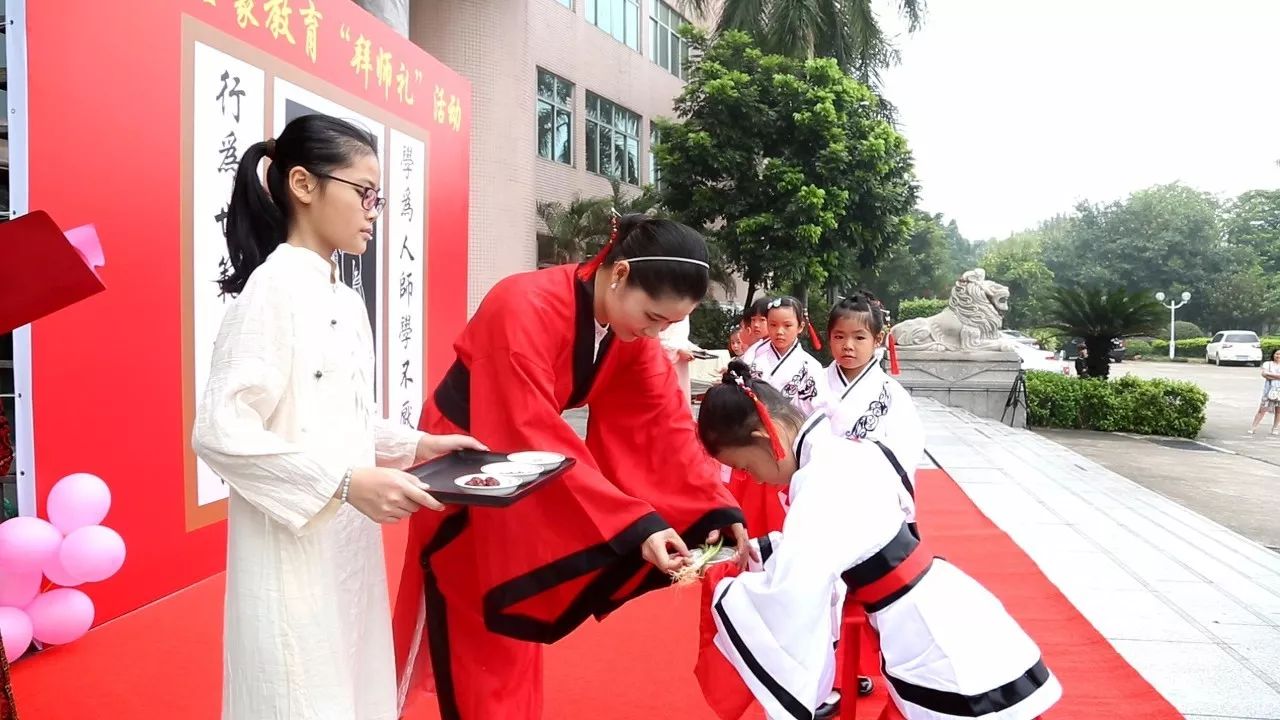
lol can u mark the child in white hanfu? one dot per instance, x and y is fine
(950, 648)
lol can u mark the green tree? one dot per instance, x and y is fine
(847, 31)
(1018, 262)
(785, 163)
(1252, 221)
(1243, 299)
(918, 266)
(1101, 316)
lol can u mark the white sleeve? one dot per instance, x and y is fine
(247, 378)
(396, 444)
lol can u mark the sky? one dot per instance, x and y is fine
(1016, 110)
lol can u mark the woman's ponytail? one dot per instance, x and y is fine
(255, 223)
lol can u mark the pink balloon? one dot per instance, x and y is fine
(15, 628)
(92, 553)
(58, 574)
(77, 501)
(60, 616)
(27, 542)
(18, 587)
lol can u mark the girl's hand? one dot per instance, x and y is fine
(745, 550)
(435, 445)
(684, 356)
(385, 495)
(665, 550)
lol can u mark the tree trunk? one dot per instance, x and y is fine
(751, 293)
(1099, 360)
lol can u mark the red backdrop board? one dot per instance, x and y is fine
(137, 112)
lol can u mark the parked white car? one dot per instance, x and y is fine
(1234, 346)
(1044, 360)
(1020, 337)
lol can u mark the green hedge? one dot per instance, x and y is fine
(710, 325)
(1134, 348)
(1126, 404)
(1194, 347)
(919, 307)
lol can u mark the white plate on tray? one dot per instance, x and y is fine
(506, 484)
(543, 460)
(521, 472)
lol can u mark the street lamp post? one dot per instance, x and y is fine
(1173, 306)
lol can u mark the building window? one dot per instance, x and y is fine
(619, 18)
(567, 3)
(668, 49)
(613, 140)
(555, 118)
(655, 137)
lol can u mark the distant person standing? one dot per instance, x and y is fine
(1270, 394)
(1082, 361)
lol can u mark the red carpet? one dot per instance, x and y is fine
(163, 661)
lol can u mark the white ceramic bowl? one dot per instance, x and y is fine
(544, 460)
(506, 486)
(522, 472)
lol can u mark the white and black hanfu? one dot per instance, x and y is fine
(794, 373)
(950, 648)
(873, 406)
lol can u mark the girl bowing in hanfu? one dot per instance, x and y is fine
(289, 421)
(483, 587)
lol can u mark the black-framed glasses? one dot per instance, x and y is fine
(369, 198)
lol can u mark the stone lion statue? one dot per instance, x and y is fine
(972, 321)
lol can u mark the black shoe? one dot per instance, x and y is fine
(830, 709)
(865, 686)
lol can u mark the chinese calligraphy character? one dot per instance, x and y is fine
(406, 413)
(384, 72)
(406, 286)
(311, 21)
(211, 2)
(406, 204)
(221, 219)
(455, 113)
(438, 114)
(278, 12)
(402, 85)
(406, 334)
(229, 153)
(244, 14)
(404, 373)
(234, 92)
(406, 160)
(404, 250)
(360, 58)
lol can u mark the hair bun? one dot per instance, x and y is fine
(738, 371)
(271, 148)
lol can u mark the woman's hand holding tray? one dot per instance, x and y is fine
(439, 474)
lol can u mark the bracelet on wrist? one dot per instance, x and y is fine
(345, 487)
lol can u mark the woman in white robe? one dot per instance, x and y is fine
(863, 402)
(950, 648)
(290, 422)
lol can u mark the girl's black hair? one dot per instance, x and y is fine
(728, 417)
(862, 306)
(759, 308)
(644, 236)
(258, 218)
(786, 301)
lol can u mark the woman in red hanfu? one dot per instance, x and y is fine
(482, 586)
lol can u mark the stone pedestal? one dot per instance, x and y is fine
(975, 381)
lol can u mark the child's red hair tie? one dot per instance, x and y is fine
(588, 271)
(775, 440)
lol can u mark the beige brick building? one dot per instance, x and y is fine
(564, 95)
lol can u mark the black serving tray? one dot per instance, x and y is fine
(438, 474)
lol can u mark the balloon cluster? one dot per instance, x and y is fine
(70, 549)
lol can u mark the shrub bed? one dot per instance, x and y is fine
(1126, 404)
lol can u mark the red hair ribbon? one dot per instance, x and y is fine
(775, 440)
(894, 368)
(813, 334)
(588, 271)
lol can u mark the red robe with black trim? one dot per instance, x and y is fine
(571, 550)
